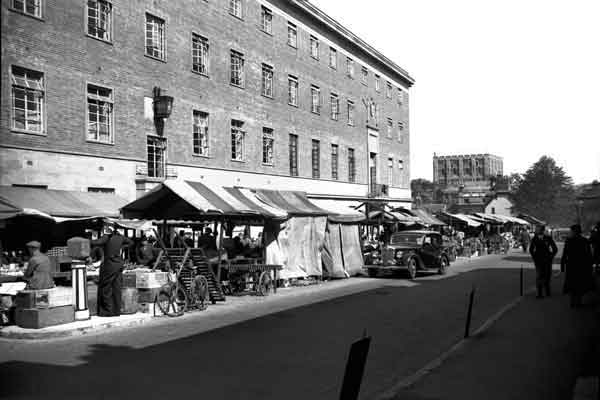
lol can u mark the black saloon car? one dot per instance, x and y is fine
(413, 251)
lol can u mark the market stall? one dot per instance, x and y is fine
(341, 255)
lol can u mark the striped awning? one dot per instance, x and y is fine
(294, 203)
(338, 211)
(462, 218)
(179, 199)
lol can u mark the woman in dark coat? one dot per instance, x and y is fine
(577, 262)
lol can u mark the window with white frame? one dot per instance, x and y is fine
(292, 90)
(235, 8)
(99, 19)
(314, 47)
(293, 147)
(200, 133)
(351, 166)
(390, 176)
(332, 58)
(377, 83)
(334, 161)
(400, 165)
(350, 112)
(199, 54)
(29, 7)
(350, 67)
(266, 18)
(27, 99)
(292, 35)
(400, 131)
(267, 80)
(390, 127)
(316, 159)
(364, 75)
(335, 106)
(237, 69)
(238, 136)
(100, 114)
(268, 141)
(388, 91)
(315, 99)
(156, 150)
(155, 37)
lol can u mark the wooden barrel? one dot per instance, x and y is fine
(129, 300)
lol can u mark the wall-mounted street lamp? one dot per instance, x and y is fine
(162, 107)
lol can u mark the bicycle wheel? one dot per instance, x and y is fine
(172, 302)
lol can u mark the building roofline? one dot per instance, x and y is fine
(311, 9)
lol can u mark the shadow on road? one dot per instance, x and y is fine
(293, 354)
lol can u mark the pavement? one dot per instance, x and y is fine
(294, 345)
(536, 350)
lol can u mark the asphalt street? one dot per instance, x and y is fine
(298, 353)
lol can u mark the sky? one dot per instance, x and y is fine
(515, 78)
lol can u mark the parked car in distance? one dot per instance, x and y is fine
(413, 252)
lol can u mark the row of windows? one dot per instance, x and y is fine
(99, 17)
(27, 115)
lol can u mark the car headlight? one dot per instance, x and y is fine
(399, 254)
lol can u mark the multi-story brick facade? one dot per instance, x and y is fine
(78, 81)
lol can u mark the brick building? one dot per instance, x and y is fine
(466, 180)
(273, 95)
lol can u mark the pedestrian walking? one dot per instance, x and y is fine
(525, 238)
(542, 249)
(576, 261)
(111, 272)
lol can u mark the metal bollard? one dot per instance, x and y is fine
(80, 293)
(469, 313)
(355, 368)
(521, 282)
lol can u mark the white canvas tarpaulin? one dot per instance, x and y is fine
(296, 244)
(342, 256)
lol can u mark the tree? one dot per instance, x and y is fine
(547, 193)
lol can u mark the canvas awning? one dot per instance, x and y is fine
(427, 218)
(294, 203)
(179, 199)
(464, 219)
(60, 203)
(338, 212)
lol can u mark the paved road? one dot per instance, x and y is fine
(298, 353)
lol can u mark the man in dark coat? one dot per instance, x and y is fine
(111, 277)
(542, 249)
(577, 262)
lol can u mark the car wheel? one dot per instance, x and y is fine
(443, 266)
(412, 268)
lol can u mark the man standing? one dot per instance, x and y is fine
(542, 249)
(37, 273)
(577, 262)
(111, 277)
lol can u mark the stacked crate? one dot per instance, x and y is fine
(148, 285)
(37, 309)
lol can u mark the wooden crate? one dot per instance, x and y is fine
(46, 298)
(36, 318)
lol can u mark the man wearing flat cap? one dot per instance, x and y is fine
(38, 269)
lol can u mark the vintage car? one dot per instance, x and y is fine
(413, 252)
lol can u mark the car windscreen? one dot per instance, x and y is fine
(405, 239)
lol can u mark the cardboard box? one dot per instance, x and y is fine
(36, 318)
(150, 280)
(46, 298)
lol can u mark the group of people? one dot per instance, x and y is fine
(580, 254)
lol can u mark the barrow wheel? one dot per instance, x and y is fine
(444, 264)
(172, 302)
(199, 292)
(412, 268)
(265, 283)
